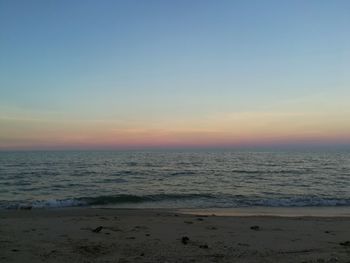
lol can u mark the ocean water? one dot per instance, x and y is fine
(174, 179)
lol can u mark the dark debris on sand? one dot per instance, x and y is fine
(205, 246)
(97, 229)
(185, 240)
(345, 244)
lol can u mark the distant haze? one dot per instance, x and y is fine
(174, 74)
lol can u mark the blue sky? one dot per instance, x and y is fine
(145, 64)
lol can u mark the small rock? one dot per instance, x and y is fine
(256, 228)
(185, 240)
(97, 229)
(142, 254)
(205, 246)
(346, 243)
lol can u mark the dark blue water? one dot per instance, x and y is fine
(174, 179)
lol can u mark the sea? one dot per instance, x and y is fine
(174, 179)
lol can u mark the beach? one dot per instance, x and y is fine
(163, 235)
(174, 131)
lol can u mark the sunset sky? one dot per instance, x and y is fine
(173, 74)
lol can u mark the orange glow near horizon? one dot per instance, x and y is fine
(230, 130)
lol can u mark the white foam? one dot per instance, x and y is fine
(54, 203)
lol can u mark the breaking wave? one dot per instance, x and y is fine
(178, 201)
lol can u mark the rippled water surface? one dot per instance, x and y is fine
(174, 179)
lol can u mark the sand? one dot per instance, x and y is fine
(146, 235)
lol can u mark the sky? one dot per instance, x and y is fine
(137, 74)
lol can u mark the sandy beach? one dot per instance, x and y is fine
(147, 235)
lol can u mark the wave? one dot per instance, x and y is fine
(102, 200)
(277, 171)
(180, 201)
(182, 173)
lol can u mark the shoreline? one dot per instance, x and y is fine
(327, 211)
(168, 235)
(319, 211)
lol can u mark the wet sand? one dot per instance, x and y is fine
(148, 235)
